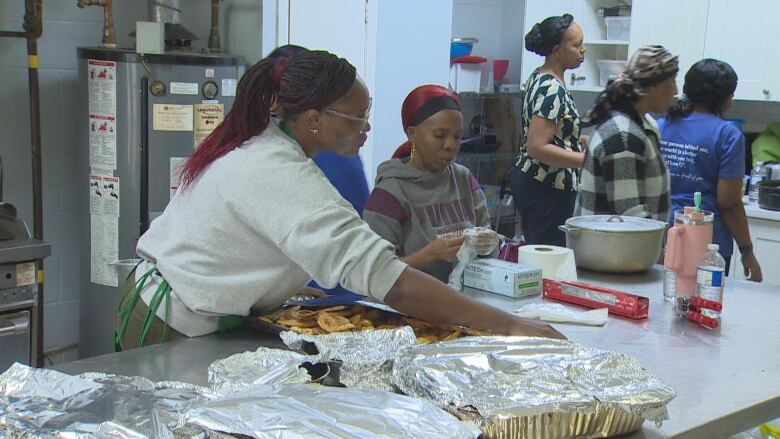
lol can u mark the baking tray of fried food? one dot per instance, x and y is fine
(353, 318)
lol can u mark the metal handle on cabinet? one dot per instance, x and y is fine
(18, 324)
(575, 78)
(765, 92)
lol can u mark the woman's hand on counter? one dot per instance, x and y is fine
(533, 328)
(751, 267)
(426, 298)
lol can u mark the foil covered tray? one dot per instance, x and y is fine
(524, 387)
(40, 403)
(352, 359)
(43, 404)
(363, 359)
(311, 411)
(265, 366)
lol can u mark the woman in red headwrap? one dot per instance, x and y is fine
(423, 200)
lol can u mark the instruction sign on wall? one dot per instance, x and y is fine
(171, 117)
(104, 203)
(104, 228)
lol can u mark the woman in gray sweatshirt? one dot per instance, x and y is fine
(422, 199)
(255, 220)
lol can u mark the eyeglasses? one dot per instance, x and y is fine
(363, 120)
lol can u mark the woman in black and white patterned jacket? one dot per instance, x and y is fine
(624, 172)
(544, 179)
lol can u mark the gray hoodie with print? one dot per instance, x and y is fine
(411, 208)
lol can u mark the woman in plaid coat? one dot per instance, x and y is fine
(624, 172)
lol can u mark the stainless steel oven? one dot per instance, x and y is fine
(15, 339)
(21, 305)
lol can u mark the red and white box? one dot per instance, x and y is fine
(590, 296)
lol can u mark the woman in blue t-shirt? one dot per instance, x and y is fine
(346, 174)
(706, 154)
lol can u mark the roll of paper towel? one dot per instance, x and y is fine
(555, 262)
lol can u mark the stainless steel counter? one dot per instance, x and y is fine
(726, 381)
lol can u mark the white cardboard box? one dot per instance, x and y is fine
(503, 277)
(465, 77)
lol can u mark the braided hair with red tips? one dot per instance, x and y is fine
(305, 81)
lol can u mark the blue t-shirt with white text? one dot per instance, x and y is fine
(346, 174)
(699, 150)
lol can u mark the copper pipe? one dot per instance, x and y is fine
(109, 36)
(214, 43)
(33, 21)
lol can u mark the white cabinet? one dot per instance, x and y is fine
(395, 45)
(317, 24)
(765, 232)
(678, 25)
(744, 34)
(766, 245)
(740, 33)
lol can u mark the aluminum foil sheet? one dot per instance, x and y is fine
(40, 403)
(263, 366)
(364, 358)
(311, 411)
(534, 387)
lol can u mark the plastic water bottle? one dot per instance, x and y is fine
(757, 175)
(710, 278)
(670, 278)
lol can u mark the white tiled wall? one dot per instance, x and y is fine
(498, 24)
(479, 19)
(65, 28)
(240, 23)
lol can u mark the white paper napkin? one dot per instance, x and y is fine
(555, 312)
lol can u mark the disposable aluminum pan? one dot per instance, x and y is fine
(614, 243)
(525, 387)
(603, 423)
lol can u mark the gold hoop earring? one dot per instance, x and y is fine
(414, 147)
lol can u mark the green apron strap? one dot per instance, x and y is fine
(163, 292)
(128, 302)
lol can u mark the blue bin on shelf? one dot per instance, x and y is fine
(461, 47)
